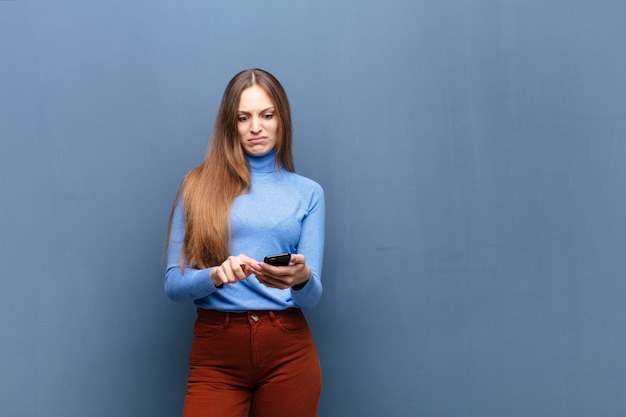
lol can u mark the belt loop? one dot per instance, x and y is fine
(272, 317)
(226, 321)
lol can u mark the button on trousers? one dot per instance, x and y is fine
(258, 363)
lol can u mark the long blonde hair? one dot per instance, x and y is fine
(208, 190)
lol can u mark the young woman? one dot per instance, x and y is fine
(252, 351)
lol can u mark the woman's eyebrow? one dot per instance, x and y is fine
(262, 111)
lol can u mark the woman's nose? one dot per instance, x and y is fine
(255, 124)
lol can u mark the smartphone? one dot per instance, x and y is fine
(278, 260)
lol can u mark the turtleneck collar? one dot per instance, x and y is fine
(264, 163)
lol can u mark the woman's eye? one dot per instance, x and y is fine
(242, 118)
(268, 116)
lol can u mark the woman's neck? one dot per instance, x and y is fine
(264, 163)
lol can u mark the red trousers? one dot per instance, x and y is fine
(259, 363)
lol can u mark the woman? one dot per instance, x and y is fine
(252, 350)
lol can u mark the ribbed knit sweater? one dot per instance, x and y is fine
(282, 212)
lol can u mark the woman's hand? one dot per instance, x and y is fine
(297, 273)
(233, 269)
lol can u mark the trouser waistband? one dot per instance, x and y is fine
(254, 315)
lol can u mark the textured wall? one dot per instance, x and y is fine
(472, 154)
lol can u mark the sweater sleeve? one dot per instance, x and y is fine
(311, 245)
(191, 284)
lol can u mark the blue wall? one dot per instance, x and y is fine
(473, 156)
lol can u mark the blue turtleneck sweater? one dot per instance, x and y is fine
(283, 212)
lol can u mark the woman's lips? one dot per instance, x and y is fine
(257, 140)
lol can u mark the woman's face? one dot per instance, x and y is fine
(257, 121)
